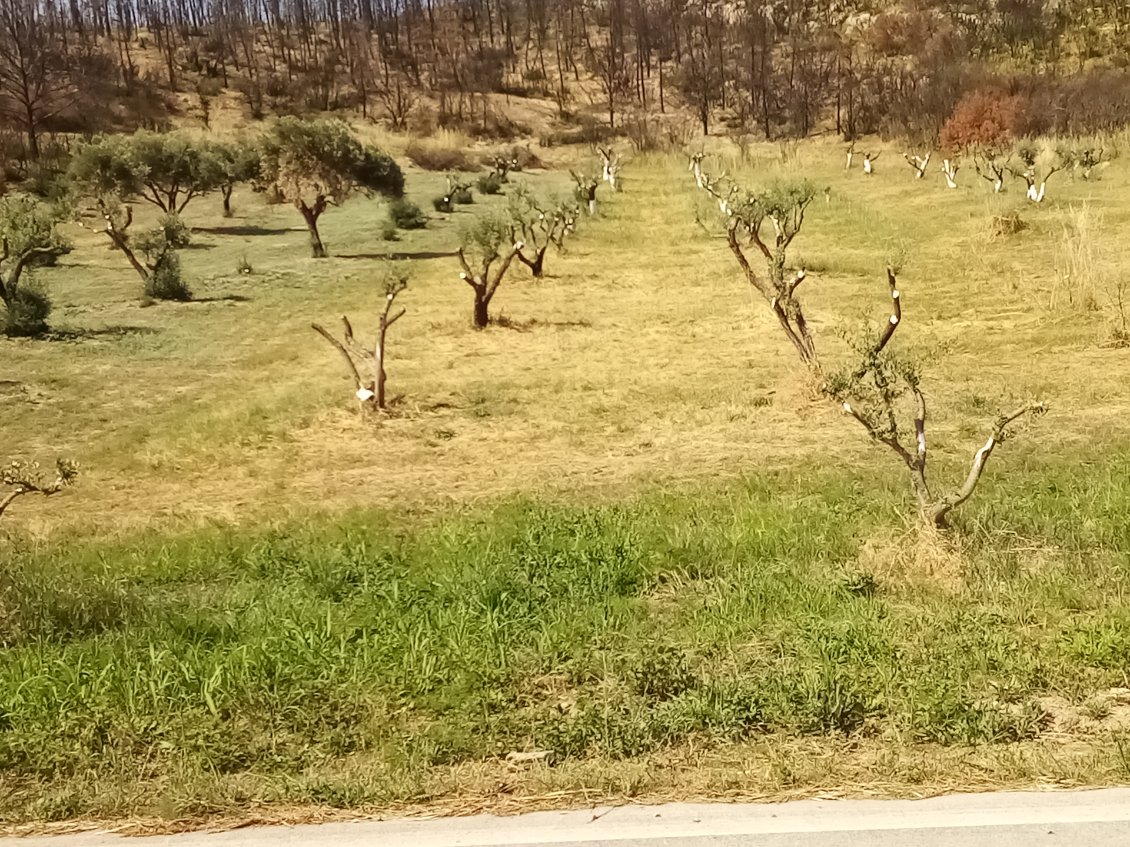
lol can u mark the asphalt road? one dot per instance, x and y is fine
(1037, 819)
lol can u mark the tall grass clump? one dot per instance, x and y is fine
(444, 150)
(1080, 278)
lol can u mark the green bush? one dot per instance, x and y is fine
(27, 312)
(443, 204)
(404, 214)
(165, 281)
(462, 196)
(176, 232)
(489, 184)
(377, 171)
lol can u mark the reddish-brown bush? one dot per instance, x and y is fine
(988, 117)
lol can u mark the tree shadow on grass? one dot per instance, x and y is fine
(503, 322)
(220, 298)
(85, 334)
(244, 229)
(395, 256)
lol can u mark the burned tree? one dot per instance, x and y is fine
(587, 184)
(370, 393)
(919, 163)
(992, 164)
(537, 227)
(485, 256)
(1039, 167)
(950, 167)
(22, 478)
(611, 163)
(883, 389)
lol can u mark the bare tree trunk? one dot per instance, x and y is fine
(481, 317)
(536, 264)
(317, 248)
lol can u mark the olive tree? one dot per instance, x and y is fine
(585, 192)
(238, 162)
(317, 163)
(883, 387)
(1039, 166)
(370, 393)
(537, 226)
(487, 252)
(19, 478)
(149, 253)
(750, 216)
(168, 170)
(28, 237)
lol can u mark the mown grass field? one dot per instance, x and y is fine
(621, 529)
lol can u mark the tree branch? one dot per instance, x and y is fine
(22, 262)
(896, 314)
(941, 510)
(344, 354)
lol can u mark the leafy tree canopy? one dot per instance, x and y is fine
(165, 169)
(311, 159)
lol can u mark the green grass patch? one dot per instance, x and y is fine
(600, 633)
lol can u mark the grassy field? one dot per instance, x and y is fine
(619, 528)
(641, 358)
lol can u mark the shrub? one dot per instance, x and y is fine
(388, 231)
(520, 158)
(986, 118)
(589, 132)
(489, 184)
(404, 214)
(443, 204)
(379, 172)
(462, 196)
(441, 153)
(165, 281)
(26, 315)
(176, 232)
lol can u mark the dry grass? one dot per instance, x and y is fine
(649, 362)
(444, 150)
(774, 769)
